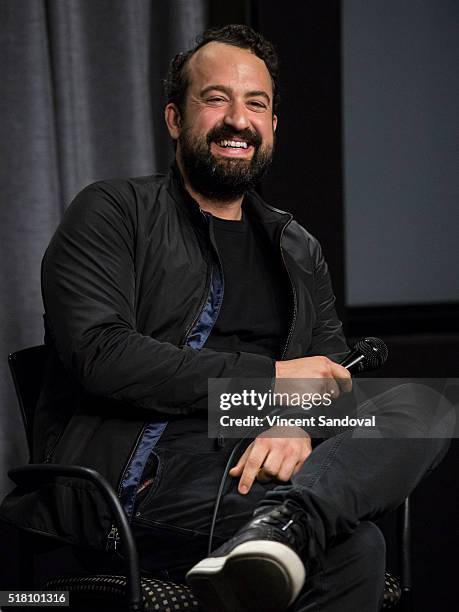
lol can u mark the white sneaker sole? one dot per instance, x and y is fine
(257, 575)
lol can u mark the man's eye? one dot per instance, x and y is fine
(258, 105)
(215, 99)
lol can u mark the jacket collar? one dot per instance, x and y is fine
(176, 188)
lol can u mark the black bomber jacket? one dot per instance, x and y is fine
(131, 286)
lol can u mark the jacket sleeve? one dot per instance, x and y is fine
(89, 288)
(327, 334)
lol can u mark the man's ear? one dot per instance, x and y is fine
(173, 120)
(274, 122)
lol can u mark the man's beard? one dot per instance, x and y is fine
(220, 178)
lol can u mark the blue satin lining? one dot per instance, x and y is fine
(200, 332)
(148, 441)
(153, 432)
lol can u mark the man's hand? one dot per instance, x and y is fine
(331, 377)
(267, 458)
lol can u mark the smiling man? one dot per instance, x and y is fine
(154, 285)
(225, 128)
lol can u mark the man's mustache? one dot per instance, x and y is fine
(224, 132)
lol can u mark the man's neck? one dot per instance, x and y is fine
(231, 210)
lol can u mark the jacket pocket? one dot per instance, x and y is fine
(149, 481)
(184, 489)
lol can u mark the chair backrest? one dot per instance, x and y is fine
(27, 369)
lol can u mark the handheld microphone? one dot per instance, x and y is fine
(367, 354)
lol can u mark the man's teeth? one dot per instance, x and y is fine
(238, 144)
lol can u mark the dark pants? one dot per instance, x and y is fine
(345, 483)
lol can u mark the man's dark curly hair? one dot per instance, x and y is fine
(176, 82)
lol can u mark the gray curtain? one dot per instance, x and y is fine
(81, 100)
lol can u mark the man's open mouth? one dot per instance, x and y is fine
(235, 144)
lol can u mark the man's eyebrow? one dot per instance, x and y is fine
(221, 88)
(258, 92)
(227, 91)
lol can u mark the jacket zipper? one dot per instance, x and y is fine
(50, 453)
(113, 537)
(292, 326)
(205, 294)
(49, 456)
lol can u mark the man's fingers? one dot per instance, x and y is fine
(342, 377)
(262, 477)
(333, 388)
(287, 470)
(266, 459)
(270, 467)
(237, 469)
(251, 468)
(272, 464)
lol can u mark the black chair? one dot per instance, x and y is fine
(131, 591)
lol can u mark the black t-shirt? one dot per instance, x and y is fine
(254, 314)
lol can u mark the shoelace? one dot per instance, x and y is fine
(295, 525)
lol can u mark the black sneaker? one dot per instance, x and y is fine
(259, 569)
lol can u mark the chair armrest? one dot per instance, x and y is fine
(37, 474)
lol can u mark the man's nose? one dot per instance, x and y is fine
(236, 116)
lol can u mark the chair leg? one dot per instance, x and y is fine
(404, 526)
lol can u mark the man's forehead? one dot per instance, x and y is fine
(217, 62)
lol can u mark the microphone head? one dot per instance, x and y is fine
(374, 352)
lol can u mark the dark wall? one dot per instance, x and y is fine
(306, 177)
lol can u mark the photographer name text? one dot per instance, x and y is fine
(311, 421)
